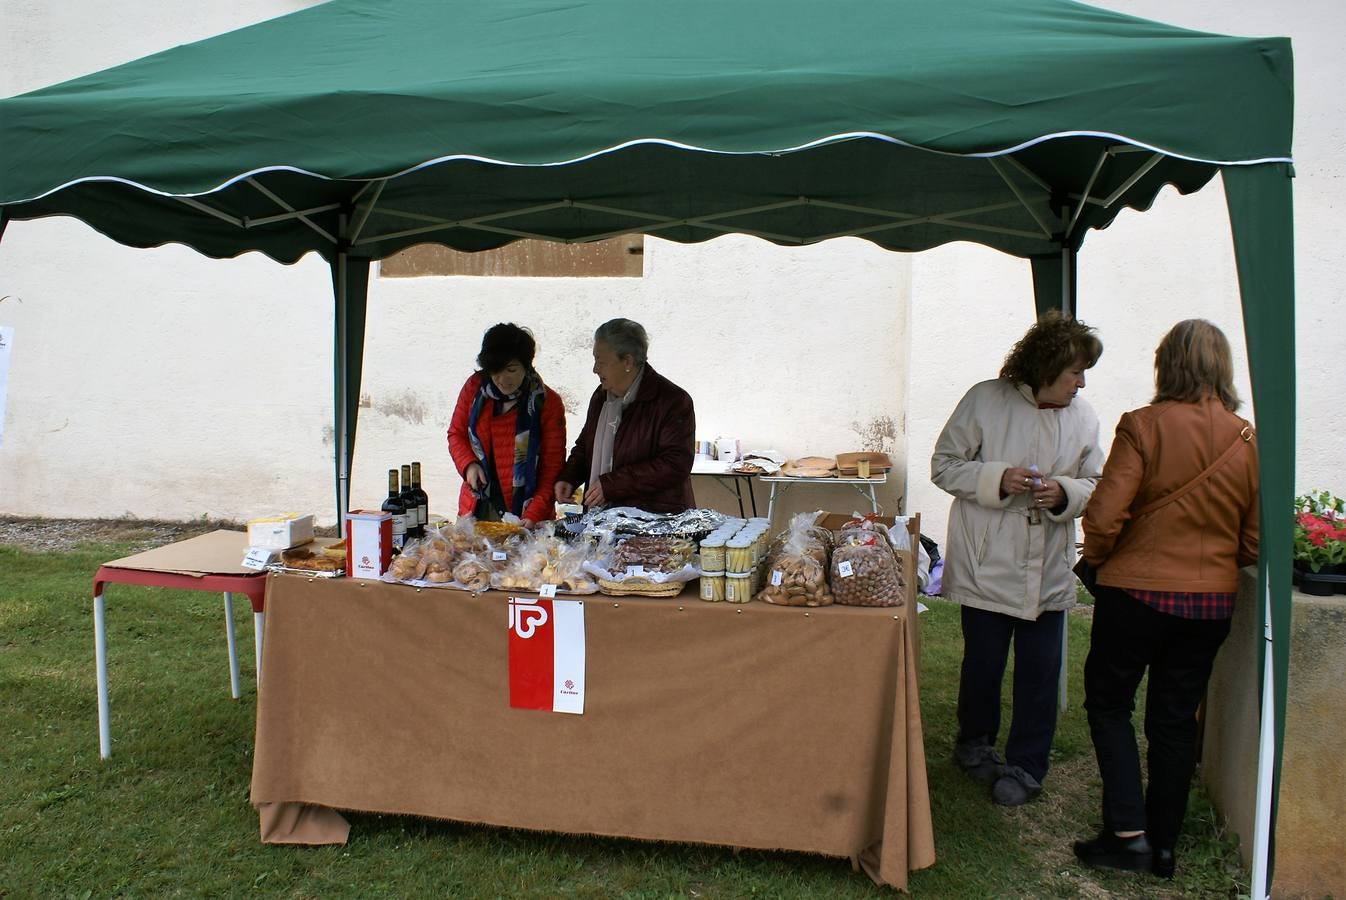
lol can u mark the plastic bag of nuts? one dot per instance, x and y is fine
(867, 574)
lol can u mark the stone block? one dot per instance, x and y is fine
(1310, 839)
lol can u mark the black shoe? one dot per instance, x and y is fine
(1015, 787)
(1107, 851)
(979, 760)
(1163, 863)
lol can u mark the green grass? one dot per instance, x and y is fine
(169, 813)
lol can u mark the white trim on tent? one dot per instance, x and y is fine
(677, 145)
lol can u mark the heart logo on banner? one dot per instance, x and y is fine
(525, 617)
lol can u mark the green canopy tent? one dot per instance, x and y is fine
(359, 127)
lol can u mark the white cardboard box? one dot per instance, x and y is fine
(280, 532)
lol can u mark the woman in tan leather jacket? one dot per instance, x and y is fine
(1172, 519)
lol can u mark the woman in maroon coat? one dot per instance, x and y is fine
(508, 433)
(636, 447)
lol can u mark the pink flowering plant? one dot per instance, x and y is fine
(1320, 530)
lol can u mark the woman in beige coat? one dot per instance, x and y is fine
(1020, 455)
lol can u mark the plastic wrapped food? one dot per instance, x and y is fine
(566, 570)
(652, 554)
(867, 574)
(796, 574)
(499, 531)
(408, 566)
(462, 535)
(650, 565)
(473, 573)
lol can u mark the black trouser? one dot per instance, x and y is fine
(1037, 665)
(1127, 637)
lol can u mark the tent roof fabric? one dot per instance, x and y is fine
(912, 123)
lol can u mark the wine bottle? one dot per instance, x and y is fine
(409, 503)
(394, 506)
(422, 498)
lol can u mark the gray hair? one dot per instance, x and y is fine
(626, 338)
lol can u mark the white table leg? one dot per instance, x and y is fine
(233, 650)
(1061, 690)
(257, 622)
(873, 500)
(100, 661)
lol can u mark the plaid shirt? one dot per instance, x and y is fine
(1208, 605)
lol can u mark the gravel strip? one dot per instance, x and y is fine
(60, 535)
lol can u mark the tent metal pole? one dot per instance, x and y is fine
(342, 429)
(1266, 757)
(1067, 308)
(1068, 282)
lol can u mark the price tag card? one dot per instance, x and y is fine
(258, 558)
(775, 577)
(547, 591)
(498, 555)
(634, 571)
(844, 569)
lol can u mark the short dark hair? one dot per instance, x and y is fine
(1193, 361)
(1054, 343)
(503, 344)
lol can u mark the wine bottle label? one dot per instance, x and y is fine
(423, 514)
(399, 527)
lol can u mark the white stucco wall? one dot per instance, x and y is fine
(160, 383)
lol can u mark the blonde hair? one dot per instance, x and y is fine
(1192, 362)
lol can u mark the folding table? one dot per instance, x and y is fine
(724, 473)
(210, 562)
(865, 487)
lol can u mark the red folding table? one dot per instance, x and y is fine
(210, 562)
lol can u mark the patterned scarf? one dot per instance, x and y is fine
(527, 441)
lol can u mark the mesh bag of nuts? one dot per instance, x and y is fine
(866, 572)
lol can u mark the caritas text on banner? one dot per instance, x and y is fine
(546, 654)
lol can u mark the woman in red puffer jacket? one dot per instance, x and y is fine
(508, 433)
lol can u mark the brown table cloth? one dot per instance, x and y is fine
(746, 726)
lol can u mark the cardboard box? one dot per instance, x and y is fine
(280, 532)
(369, 543)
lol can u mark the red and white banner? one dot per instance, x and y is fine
(546, 654)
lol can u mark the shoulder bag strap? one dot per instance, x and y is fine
(1245, 437)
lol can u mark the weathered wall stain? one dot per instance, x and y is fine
(406, 406)
(878, 435)
(568, 400)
